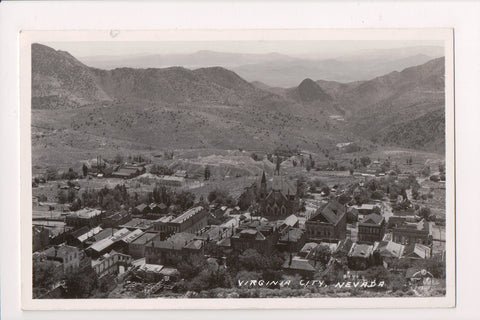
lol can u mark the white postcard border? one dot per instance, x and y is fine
(29, 36)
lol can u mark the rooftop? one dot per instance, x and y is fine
(187, 214)
(332, 212)
(360, 250)
(298, 263)
(175, 242)
(85, 213)
(365, 206)
(138, 223)
(390, 249)
(417, 250)
(293, 235)
(90, 233)
(144, 238)
(372, 219)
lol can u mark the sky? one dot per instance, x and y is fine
(302, 49)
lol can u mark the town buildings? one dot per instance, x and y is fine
(85, 217)
(371, 228)
(111, 263)
(192, 221)
(277, 199)
(68, 256)
(136, 248)
(259, 235)
(180, 246)
(412, 232)
(360, 256)
(41, 237)
(327, 223)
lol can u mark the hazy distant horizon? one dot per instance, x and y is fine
(324, 49)
(275, 63)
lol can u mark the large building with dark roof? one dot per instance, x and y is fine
(371, 228)
(412, 232)
(192, 221)
(176, 248)
(329, 222)
(259, 235)
(278, 198)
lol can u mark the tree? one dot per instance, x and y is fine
(246, 199)
(61, 197)
(70, 175)
(45, 274)
(426, 171)
(424, 213)
(51, 174)
(365, 161)
(85, 170)
(81, 284)
(185, 200)
(220, 197)
(322, 253)
(206, 174)
(118, 159)
(71, 194)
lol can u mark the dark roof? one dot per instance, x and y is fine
(284, 185)
(293, 235)
(332, 212)
(176, 242)
(361, 250)
(299, 264)
(372, 219)
(79, 232)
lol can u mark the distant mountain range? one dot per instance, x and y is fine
(79, 109)
(280, 70)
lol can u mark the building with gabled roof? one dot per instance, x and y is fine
(291, 239)
(278, 199)
(417, 251)
(118, 241)
(360, 256)
(329, 222)
(111, 263)
(192, 221)
(174, 249)
(412, 232)
(67, 255)
(299, 265)
(371, 228)
(85, 217)
(387, 252)
(259, 235)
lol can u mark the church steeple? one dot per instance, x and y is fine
(263, 186)
(277, 167)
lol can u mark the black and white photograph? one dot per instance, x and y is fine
(190, 168)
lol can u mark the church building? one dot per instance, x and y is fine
(278, 198)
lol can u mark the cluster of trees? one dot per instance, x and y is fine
(161, 170)
(79, 284)
(221, 197)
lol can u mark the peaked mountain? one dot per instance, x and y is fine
(61, 81)
(58, 79)
(309, 91)
(385, 104)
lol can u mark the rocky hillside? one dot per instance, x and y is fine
(78, 109)
(59, 80)
(390, 101)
